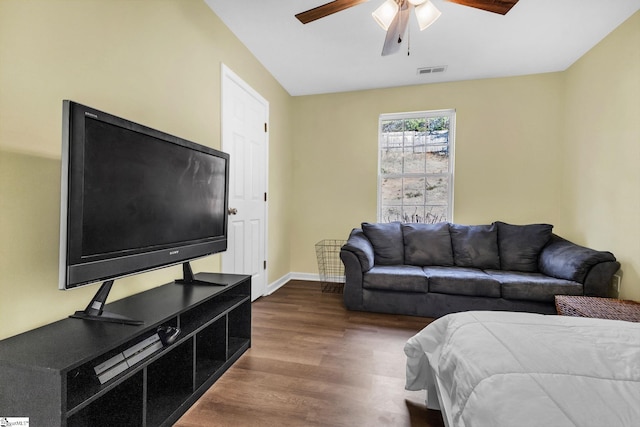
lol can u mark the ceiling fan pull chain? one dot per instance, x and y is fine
(400, 16)
(409, 40)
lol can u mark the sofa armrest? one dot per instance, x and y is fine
(598, 280)
(353, 291)
(361, 247)
(357, 257)
(563, 259)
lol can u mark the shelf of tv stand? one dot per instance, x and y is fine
(47, 374)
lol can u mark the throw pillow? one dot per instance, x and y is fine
(520, 245)
(387, 242)
(475, 246)
(427, 244)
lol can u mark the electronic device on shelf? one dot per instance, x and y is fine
(127, 358)
(168, 334)
(134, 199)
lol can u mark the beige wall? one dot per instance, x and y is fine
(602, 150)
(507, 156)
(154, 62)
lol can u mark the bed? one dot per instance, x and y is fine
(522, 369)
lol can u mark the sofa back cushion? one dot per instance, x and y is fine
(427, 244)
(387, 242)
(475, 246)
(520, 245)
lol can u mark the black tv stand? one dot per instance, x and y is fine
(205, 279)
(50, 372)
(95, 309)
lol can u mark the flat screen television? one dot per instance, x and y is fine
(134, 199)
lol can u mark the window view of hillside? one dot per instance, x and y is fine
(415, 167)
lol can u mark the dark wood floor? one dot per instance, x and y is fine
(313, 363)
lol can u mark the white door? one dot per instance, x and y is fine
(245, 116)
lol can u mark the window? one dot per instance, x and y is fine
(415, 176)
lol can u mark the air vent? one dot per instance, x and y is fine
(432, 70)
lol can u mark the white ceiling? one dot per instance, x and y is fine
(341, 52)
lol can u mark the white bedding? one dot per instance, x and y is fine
(522, 369)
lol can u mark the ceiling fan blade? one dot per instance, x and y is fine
(395, 33)
(327, 9)
(495, 6)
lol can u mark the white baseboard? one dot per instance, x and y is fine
(305, 276)
(274, 286)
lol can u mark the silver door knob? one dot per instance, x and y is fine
(233, 211)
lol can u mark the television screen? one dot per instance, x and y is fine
(135, 198)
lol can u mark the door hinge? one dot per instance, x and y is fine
(265, 196)
(265, 128)
(265, 264)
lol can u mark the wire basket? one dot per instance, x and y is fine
(330, 265)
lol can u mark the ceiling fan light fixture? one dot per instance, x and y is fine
(384, 14)
(427, 14)
(417, 2)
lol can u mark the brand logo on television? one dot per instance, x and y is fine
(174, 252)
(86, 113)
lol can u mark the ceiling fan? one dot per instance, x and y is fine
(393, 15)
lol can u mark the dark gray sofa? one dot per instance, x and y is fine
(434, 269)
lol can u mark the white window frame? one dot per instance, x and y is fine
(449, 175)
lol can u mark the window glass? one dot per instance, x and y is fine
(415, 176)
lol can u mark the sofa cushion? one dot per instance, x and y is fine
(533, 286)
(520, 245)
(462, 281)
(475, 246)
(427, 244)
(387, 241)
(400, 278)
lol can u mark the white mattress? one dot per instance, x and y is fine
(522, 369)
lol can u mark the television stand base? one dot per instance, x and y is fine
(188, 278)
(199, 282)
(95, 309)
(107, 317)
